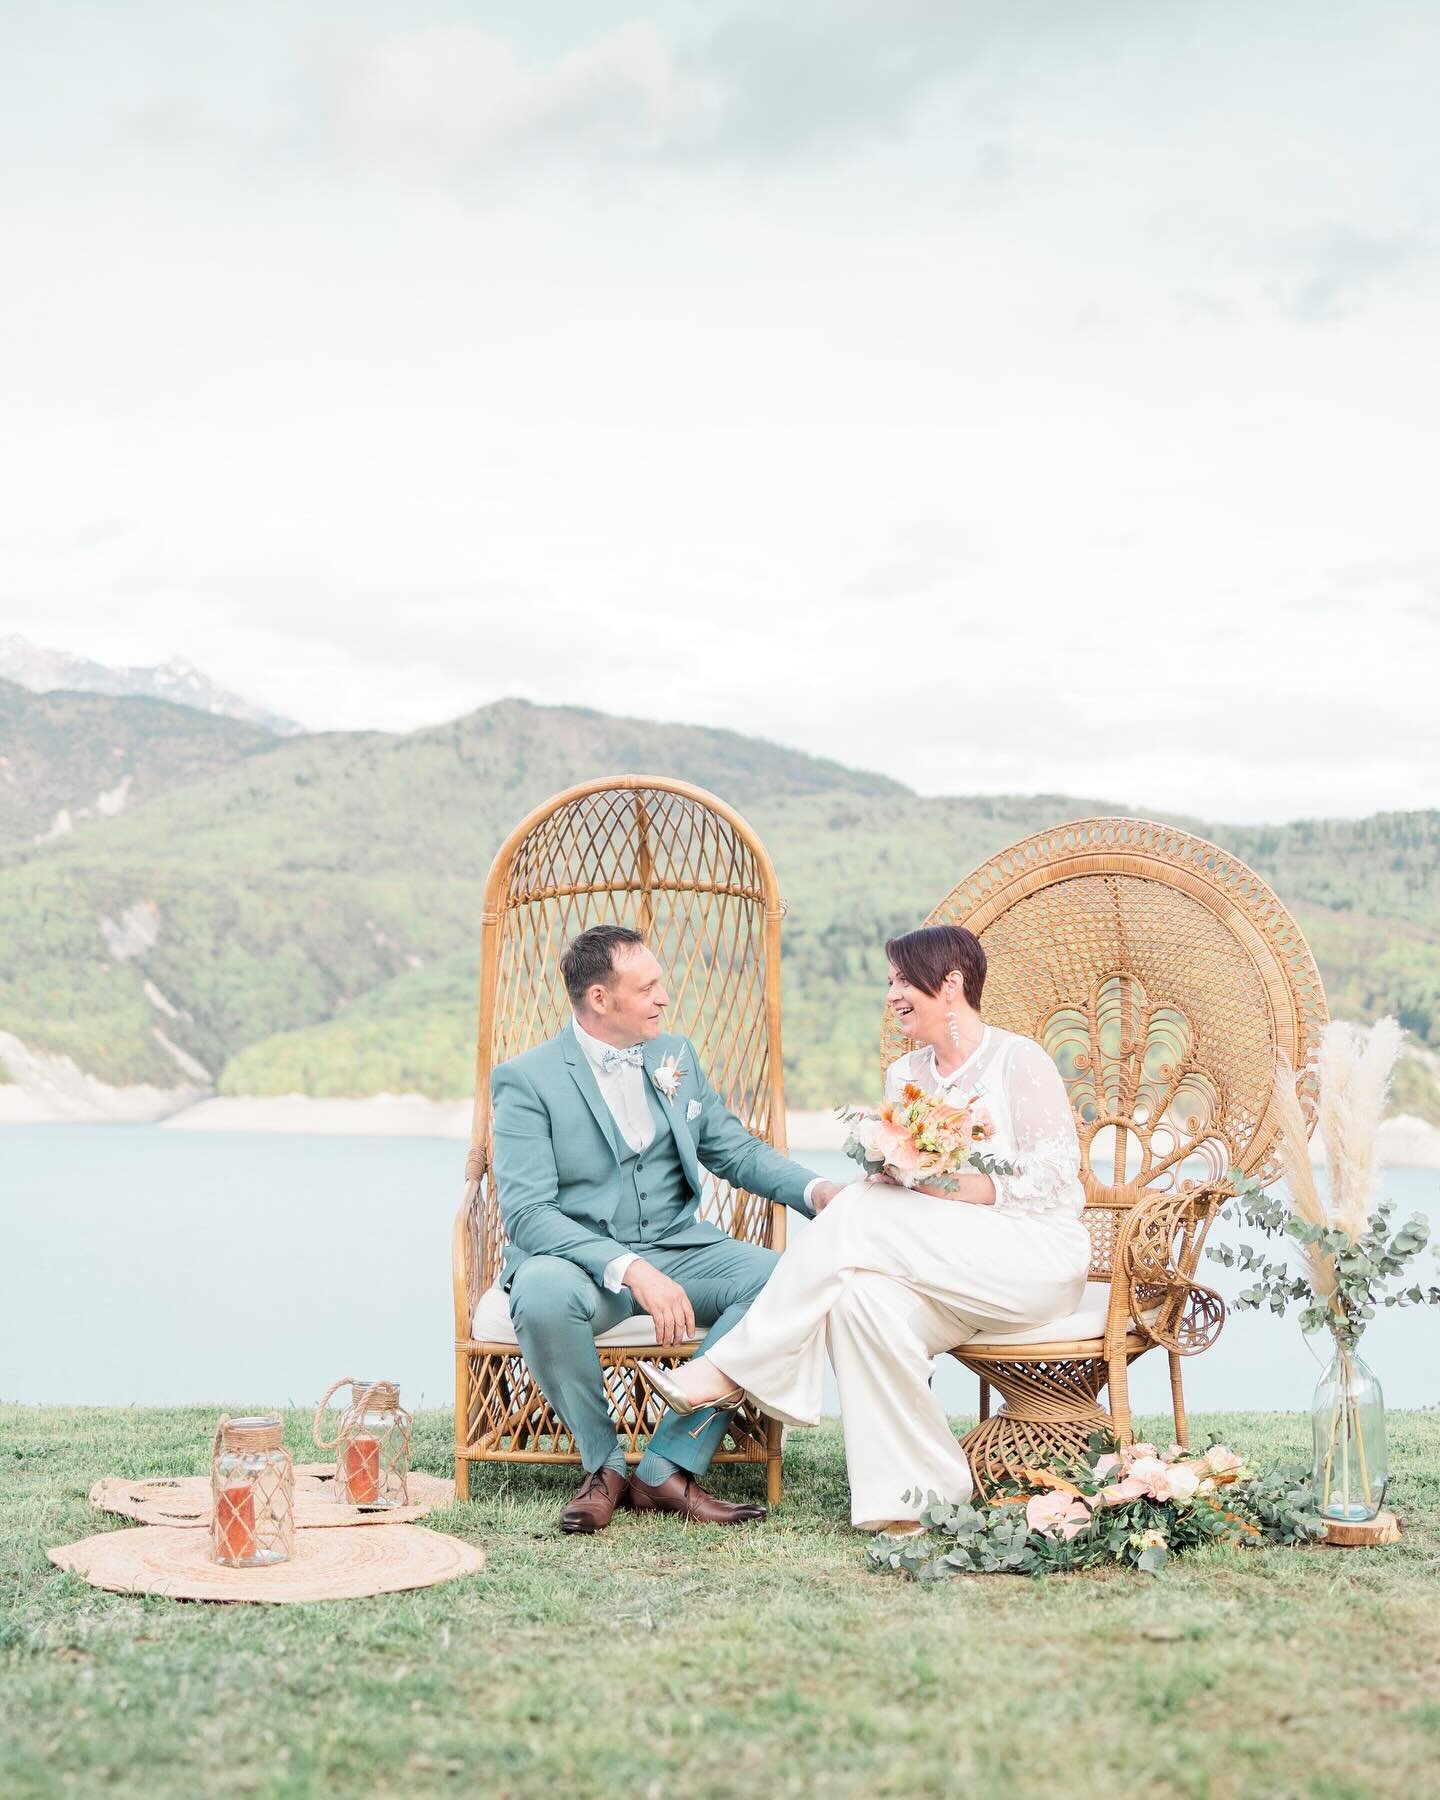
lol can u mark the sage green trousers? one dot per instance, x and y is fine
(558, 1312)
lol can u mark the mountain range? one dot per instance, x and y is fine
(249, 914)
(43, 671)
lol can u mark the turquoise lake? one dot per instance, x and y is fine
(149, 1267)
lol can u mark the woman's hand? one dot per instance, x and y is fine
(971, 1188)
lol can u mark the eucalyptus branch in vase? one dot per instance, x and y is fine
(1352, 1262)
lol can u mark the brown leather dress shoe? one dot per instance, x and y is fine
(593, 1507)
(683, 1494)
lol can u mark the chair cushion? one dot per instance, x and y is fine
(491, 1324)
(1086, 1322)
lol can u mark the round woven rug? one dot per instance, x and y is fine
(185, 1499)
(327, 1565)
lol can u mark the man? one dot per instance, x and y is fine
(600, 1139)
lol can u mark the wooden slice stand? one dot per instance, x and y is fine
(1345, 1534)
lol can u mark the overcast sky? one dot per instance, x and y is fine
(1037, 395)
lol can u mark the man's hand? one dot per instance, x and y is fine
(665, 1300)
(824, 1193)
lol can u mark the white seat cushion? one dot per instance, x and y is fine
(491, 1324)
(1086, 1322)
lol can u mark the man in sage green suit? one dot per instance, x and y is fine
(601, 1136)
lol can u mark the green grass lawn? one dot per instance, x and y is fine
(661, 1659)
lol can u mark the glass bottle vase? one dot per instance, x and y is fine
(1348, 1418)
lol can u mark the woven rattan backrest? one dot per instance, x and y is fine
(678, 865)
(1163, 976)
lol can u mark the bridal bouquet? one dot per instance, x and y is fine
(922, 1140)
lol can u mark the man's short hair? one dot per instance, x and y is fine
(591, 957)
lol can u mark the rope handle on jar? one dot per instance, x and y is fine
(224, 1420)
(329, 1443)
(358, 1406)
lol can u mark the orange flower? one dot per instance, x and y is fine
(1047, 1478)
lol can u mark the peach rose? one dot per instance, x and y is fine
(886, 1140)
(1133, 1452)
(1181, 1483)
(1052, 1514)
(903, 1155)
(1223, 1464)
(1150, 1472)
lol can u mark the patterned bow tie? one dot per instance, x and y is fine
(620, 1059)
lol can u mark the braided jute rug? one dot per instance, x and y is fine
(185, 1499)
(327, 1565)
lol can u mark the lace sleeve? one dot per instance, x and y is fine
(896, 1076)
(1047, 1151)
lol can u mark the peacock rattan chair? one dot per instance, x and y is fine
(679, 865)
(1163, 976)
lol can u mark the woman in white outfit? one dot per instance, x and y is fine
(891, 1277)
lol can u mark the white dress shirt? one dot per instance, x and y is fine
(623, 1090)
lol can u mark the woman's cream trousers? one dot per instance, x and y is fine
(890, 1280)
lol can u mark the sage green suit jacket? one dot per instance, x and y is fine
(558, 1153)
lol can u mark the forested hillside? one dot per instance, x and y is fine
(301, 914)
(68, 759)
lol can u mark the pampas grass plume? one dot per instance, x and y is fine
(1305, 1201)
(1354, 1066)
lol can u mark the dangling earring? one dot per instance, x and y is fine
(954, 1030)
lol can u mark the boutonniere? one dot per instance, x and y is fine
(667, 1077)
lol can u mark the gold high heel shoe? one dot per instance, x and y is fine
(661, 1379)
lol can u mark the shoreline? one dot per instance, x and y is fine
(1404, 1141)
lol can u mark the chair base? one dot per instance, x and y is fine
(1052, 1407)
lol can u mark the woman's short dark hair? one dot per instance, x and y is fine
(925, 957)
(590, 958)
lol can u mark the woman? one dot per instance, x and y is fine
(892, 1277)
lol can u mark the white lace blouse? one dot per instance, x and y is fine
(1020, 1088)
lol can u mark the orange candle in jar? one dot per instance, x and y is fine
(362, 1470)
(236, 1518)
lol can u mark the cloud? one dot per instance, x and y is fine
(466, 101)
(1330, 272)
(761, 87)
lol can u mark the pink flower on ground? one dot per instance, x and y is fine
(1133, 1452)
(1151, 1474)
(1105, 1465)
(1181, 1483)
(1223, 1464)
(1121, 1491)
(1052, 1514)
(1174, 1453)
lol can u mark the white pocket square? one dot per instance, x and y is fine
(692, 1111)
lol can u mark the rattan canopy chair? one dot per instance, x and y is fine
(1163, 976)
(677, 864)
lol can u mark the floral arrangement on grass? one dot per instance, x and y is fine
(1134, 1507)
(921, 1140)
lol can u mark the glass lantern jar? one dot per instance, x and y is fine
(372, 1447)
(1348, 1421)
(252, 1484)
